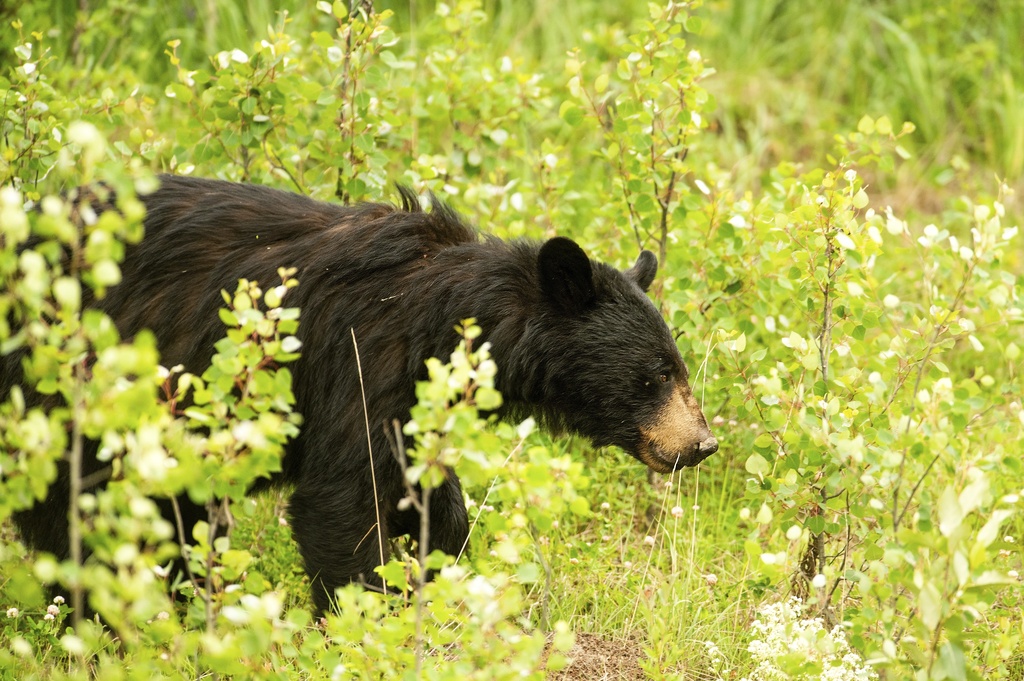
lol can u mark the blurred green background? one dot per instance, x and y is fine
(789, 72)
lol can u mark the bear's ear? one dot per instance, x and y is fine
(566, 277)
(644, 270)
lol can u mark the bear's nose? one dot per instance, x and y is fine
(708, 446)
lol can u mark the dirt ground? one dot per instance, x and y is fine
(593, 658)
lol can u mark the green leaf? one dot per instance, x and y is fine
(860, 199)
(757, 465)
(570, 113)
(990, 532)
(179, 92)
(951, 663)
(106, 273)
(930, 604)
(580, 506)
(951, 515)
(528, 573)
(394, 573)
(228, 317)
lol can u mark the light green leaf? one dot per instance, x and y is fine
(930, 605)
(860, 199)
(990, 531)
(950, 512)
(757, 465)
(951, 663)
(974, 494)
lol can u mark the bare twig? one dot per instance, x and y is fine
(369, 447)
(183, 542)
(74, 492)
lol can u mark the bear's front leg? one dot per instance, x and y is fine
(449, 523)
(335, 525)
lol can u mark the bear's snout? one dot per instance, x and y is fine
(679, 436)
(707, 447)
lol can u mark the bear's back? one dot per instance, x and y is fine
(203, 235)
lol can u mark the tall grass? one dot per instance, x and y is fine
(952, 68)
(788, 70)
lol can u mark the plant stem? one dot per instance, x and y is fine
(939, 329)
(74, 492)
(833, 264)
(421, 577)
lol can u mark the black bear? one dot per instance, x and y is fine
(578, 345)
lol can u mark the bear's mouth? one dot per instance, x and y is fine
(663, 461)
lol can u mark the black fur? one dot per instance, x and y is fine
(578, 344)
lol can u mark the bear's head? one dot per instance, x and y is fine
(612, 369)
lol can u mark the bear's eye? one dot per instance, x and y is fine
(664, 377)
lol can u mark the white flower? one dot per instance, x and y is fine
(677, 512)
(781, 632)
(649, 540)
(12, 612)
(711, 579)
(52, 610)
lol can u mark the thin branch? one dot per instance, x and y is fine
(183, 542)
(74, 492)
(369, 446)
